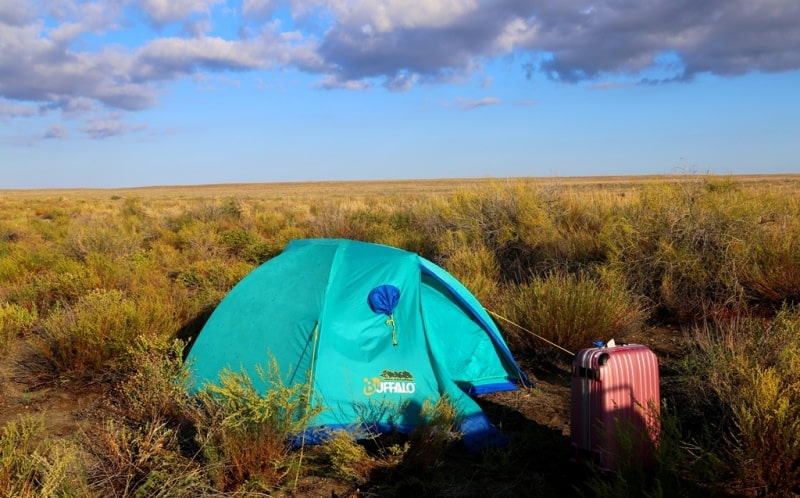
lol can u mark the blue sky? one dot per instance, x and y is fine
(120, 93)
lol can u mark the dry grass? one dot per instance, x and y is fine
(96, 283)
(619, 186)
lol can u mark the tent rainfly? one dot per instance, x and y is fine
(371, 327)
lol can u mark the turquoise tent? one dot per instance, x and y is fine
(377, 330)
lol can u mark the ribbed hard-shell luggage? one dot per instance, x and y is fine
(615, 405)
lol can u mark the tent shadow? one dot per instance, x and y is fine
(191, 329)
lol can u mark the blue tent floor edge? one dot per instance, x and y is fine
(475, 433)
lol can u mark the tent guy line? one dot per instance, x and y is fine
(534, 334)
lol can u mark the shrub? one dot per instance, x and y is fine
(244, 244)
(672, 247)
(396, 458)
(196, 241)
(509, 219)
(142, 461)
(98, 329)
(146, 452)
(33, 467)
(473, 265)
(345, 458)
(432, 436)
(154, 381)
(571, 310)
(114, 238)
(355, 220)
(246, 435)
(15, 320)
(61, 285)
(580, 240)
(745, 374)
(770, 267)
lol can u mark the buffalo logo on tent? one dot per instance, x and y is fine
(367, 323)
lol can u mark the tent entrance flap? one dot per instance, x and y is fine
(310, 348)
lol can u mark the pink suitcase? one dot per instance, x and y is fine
(615, 405)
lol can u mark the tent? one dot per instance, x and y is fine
(376, 330)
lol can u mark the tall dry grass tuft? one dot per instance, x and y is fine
(509, 219)
(769, 270)
(673, 246)
(571, 310)
(144, 460)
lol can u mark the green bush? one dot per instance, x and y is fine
(15, 320)
(247, 436)
(32, 467)
(62, 284)
(99, 328)
(746, 374)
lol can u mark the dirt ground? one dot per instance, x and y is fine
(536, 420)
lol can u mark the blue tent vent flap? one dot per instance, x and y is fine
(384, 299)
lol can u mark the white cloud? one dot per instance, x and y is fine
(57, 131)
(258, 9)
(169, 11)
(384, 16)
(10, 109)
(330, 82)
(167, 58)
(88, 17)
(469, 104)
(48, 63)
(109, 126)
(15, 13)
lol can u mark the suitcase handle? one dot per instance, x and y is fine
(588, 373)
(592, 373)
